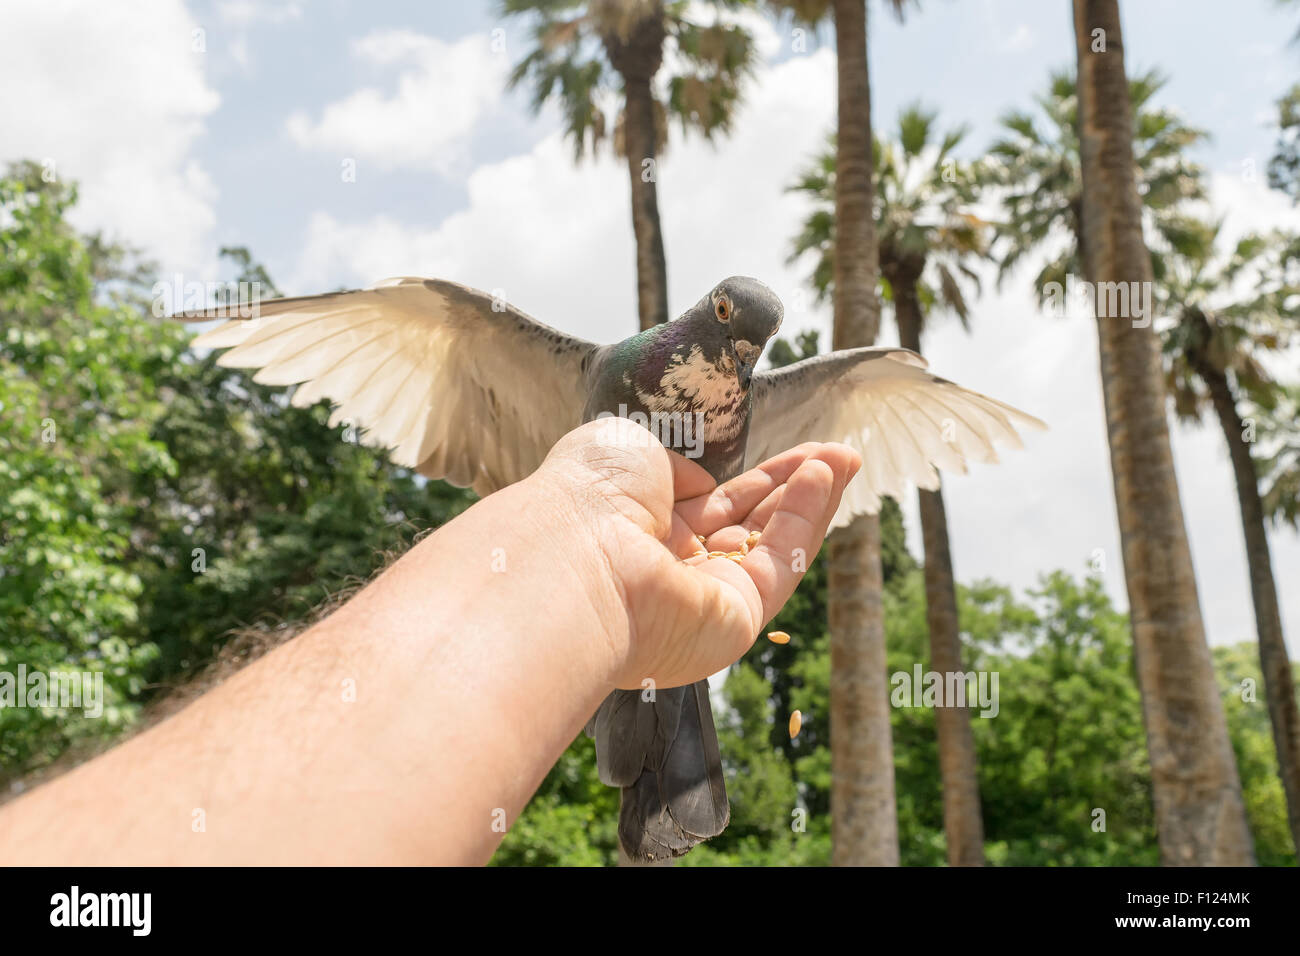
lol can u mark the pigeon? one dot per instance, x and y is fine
(461, 386)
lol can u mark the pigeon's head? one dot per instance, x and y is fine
(748, 313)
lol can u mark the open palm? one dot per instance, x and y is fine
(690, 615)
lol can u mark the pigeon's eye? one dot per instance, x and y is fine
(722, 310)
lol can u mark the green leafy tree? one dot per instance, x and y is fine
(269, 513)
(76, 400)
(1249, 726)
(155, 504)
(1068, 737)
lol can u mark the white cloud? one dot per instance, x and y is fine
(115, 96)
(530, 229)
(238, 49)
(1245, 202)
(557, 237)
(247, 12)
(443, 91)
(239, 18)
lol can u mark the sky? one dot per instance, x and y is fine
(345, 142)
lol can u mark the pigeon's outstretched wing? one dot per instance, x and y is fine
(458, 386)
(882, 401)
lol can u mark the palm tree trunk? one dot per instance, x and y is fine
(1197, 794)
(1279, 686)
(962, 823)
(639, 143)
(864, 818)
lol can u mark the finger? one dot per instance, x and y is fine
(731, 537)
(682, 540)
(758, 518)
(698, 557)
(794, 534)
(729, 503)
(741, 597)
(844, 461)
(689, 479)
(768, 575)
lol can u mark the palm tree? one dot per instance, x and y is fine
(1212, 363)
(1280, 467)
(927, 238)
(1038, 171)
(586, 50)
(864, 812)
(1197, 793)
(1284, 164)
(864, 815)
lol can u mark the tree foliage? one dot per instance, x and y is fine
(1036, 164)
(583, 49)
(152, 503)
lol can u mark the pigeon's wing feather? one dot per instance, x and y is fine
(905, 421)
(458, 386)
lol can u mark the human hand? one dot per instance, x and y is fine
(637, 508)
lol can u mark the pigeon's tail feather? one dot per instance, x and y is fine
(668, 810)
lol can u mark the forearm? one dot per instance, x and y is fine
(400, 729)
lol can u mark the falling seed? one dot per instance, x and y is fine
(717, 554)
(752, 539)
(796, 721)
(778, 637)
(744, 547)
(701, 538)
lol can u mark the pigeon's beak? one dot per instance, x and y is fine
(745, 374)
(746, 358)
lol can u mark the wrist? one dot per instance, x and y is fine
(554, 529)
